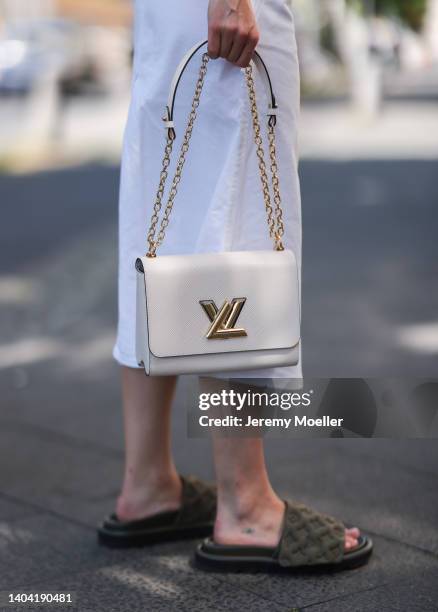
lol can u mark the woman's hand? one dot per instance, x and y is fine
(232, 31)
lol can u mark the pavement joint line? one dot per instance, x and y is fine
(31, 515)
(345, 595)
(114, 453)
(393, 540)
(44, 510)
(67, 573)
(72, 574)
(59, 515)
(53, 435)
(247, 590)
(126, 555)
(118, 454)
(32, 583)
(240, 587)
(404, 467)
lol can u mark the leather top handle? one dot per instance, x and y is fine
(257, 60)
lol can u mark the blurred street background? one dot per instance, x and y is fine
(369, 149)
(369, 153)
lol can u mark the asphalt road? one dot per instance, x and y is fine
(369, 308)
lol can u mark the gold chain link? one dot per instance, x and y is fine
(154, 242)
(274, 215)
(276, 187)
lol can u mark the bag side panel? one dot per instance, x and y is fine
(141, 337)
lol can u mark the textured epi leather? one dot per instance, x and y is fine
(309, 538)
(220, 362)
(172, 325)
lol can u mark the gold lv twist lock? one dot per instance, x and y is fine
(224, 319)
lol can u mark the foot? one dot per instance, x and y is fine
(141, 500)
(260, 524)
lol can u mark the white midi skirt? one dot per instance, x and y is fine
(219, 206)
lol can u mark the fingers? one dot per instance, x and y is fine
(227, 39)
(214, 41)
(233, 44)
(237, 48)
(252, 40)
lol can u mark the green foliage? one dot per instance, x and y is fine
(410, 12)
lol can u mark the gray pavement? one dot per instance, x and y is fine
(369, 283)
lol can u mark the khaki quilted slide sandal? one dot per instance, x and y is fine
(195, 519)
(309, 541)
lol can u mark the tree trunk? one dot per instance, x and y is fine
(431, 29)
(352, 40)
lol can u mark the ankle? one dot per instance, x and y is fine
(155, 481)
(248, 519)
(155, 493)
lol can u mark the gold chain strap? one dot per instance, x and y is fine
(276, 187)
(274, 215)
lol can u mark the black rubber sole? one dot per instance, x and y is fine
(113, 539)
(207, 561)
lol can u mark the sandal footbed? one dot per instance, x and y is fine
(132, 539)
(161, 527)
(228, 558)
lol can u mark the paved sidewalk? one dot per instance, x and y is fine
(61, 429)
(62, 460)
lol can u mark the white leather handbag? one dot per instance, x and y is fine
(217, 312)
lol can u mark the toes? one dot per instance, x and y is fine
(353, 531)
(351, 540)
(352, 535)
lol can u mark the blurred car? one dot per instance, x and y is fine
(32, 51)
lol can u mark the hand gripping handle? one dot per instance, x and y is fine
(258, 62)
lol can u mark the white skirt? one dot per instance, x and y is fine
(219, 206)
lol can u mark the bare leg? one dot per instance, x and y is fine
(151, 483)
(249, 511)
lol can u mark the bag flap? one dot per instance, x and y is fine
(245, 301)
